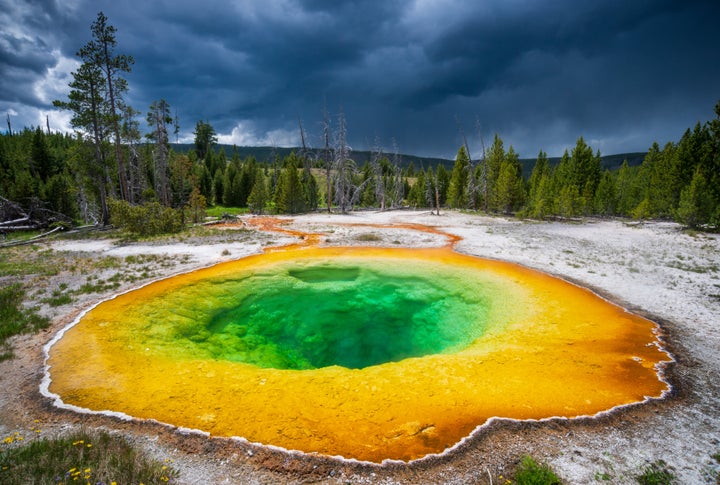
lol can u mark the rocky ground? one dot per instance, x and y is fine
(654, 269)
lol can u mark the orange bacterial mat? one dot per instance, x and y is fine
(185, 351)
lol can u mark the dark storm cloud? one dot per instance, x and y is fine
(539, 73)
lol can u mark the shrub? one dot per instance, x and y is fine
(145, 220)
(368, 237)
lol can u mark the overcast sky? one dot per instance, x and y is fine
(540, 73)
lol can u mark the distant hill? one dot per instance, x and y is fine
(264, 154)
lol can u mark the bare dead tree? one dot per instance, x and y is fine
(9, 125)
(397, 185)
(88, 208)
(326, 136)
(344, 167)
(306, 152)
(472, 183)
(356, 193)
(32, 215)
(131, 137)
(483, 162)
(158, 119)
(302, 137)
(437, 193)
(377, 174)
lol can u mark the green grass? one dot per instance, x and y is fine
(16, 236)
(29, 260)
(14, 319)
(656, 473)
(529, 472)
(58, 298)
(219, 210)
(82, 457)
(99, 287)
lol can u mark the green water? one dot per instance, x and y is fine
(308, 314)
(354, 316)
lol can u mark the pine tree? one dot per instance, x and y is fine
(205, 181)
(59, 192)
(696, 204)
(627, 189)
(247, 174)
(289, 197)
(660, 194)
(457, 192)
(218, 187)
(231, 186)
(509, 190)
(205, 138)
(258, 198)
(543, 203)
(587, 174)
(442, 182)
(310, 189)
(605, 203)
(99, 52)
(86, 100)
(494, 160)
(566, 187)
(538, 204)
(43, 164)
(182, 180)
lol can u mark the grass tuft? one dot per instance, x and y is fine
(656, 473)
(532, 473)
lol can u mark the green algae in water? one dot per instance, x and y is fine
(310, 316)
(315, 313)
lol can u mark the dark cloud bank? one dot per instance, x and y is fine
(539, 73)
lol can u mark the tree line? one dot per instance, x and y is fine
(107, 171)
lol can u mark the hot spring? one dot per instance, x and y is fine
(365, 353)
